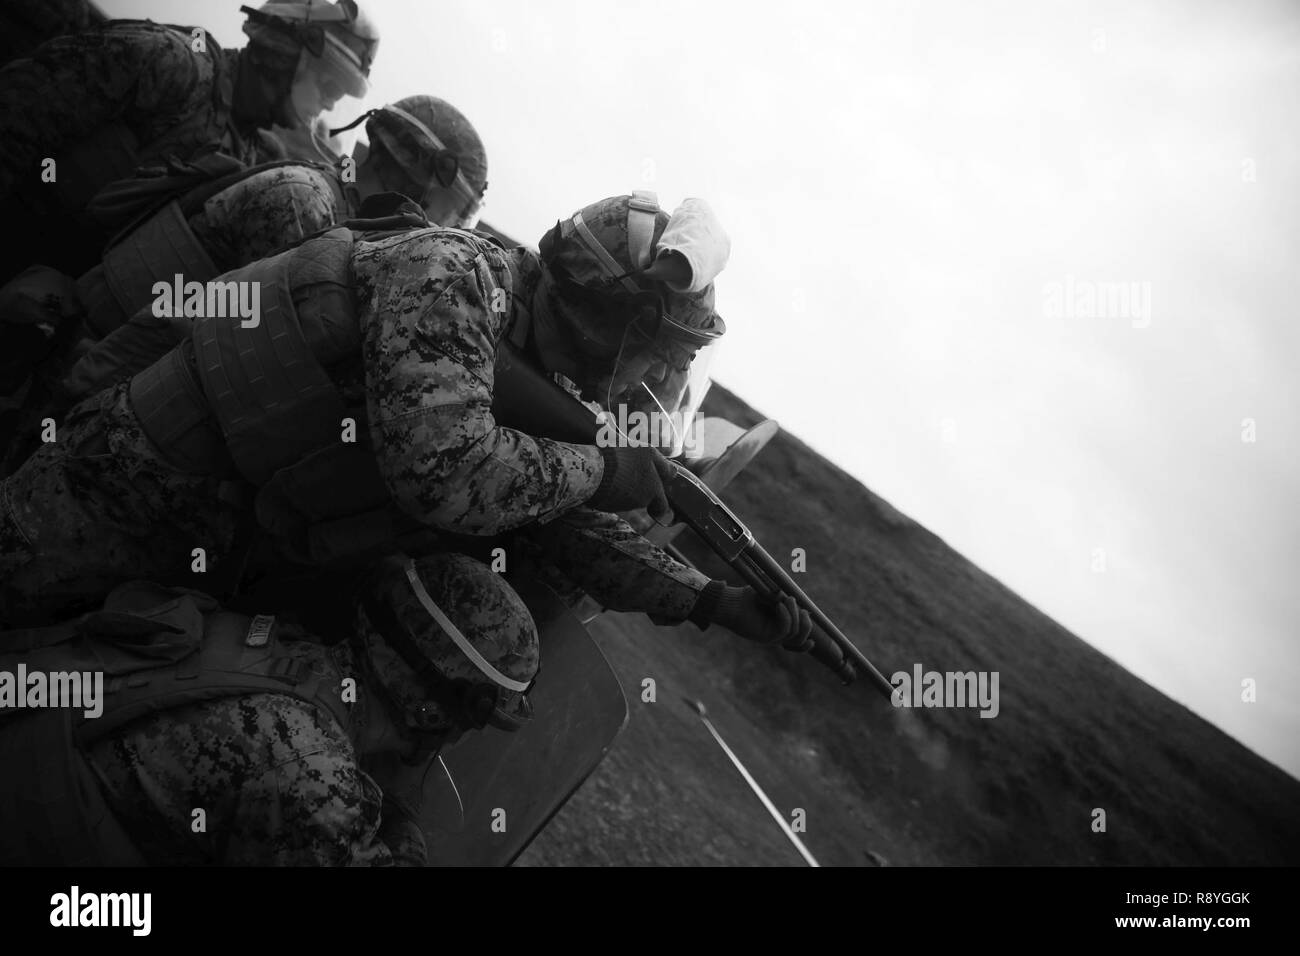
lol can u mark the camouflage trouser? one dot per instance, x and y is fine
(99, 506)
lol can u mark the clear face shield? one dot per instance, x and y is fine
(649, 372)
(318, 86)
(337, 44)
(469, 204)
(449, 199)
(658, 382)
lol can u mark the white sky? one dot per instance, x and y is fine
(902, 182)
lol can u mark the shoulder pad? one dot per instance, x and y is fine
(209, 41)
(372, 229)
(495, 240)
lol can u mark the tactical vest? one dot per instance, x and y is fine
(52, 808)
(159, 244)
(258, 402)
(211, 406)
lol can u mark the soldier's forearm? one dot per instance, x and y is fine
(458, 472)
(601, 553)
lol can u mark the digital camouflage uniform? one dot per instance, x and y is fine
(100, 104)
(244, 222)
(593, 552)
(104, 502)
(429, 336)
(267, 211)
(99, 506)
(247, 719)
(597, 551)
(248, 220)
(278, 780)
(144, 75)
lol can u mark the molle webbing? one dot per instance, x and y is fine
(225, 666)
(266, 384)
(162, 247)
(175, 415)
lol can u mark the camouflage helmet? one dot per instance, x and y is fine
(449, 643)
(343, 37)
(603, 259)
(638, 323)
(434, 144)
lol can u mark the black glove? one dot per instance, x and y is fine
(36, 307)
(742, 610)
(39, 295)
(634, 478)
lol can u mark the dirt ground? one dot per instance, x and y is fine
(885, 786)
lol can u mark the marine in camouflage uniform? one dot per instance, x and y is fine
(278, 780)
(283, 778)
(261, 214)
(142, 473)
(105, 502)
(26, 24)
(102, 103)
(252, 217)
(129, 94)
(277, 207)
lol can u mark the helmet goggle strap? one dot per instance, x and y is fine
(459, 639)
(642, 210)
(478, 701)
(452, 699)
(446, 163)
(305, 22)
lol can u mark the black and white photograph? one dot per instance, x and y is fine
(600, 434)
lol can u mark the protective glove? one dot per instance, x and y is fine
(33, 306)
(39, 295)
(744, 611)
(634, 478)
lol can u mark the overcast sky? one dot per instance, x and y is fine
(922, 198)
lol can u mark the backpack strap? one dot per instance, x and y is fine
(192, 184)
